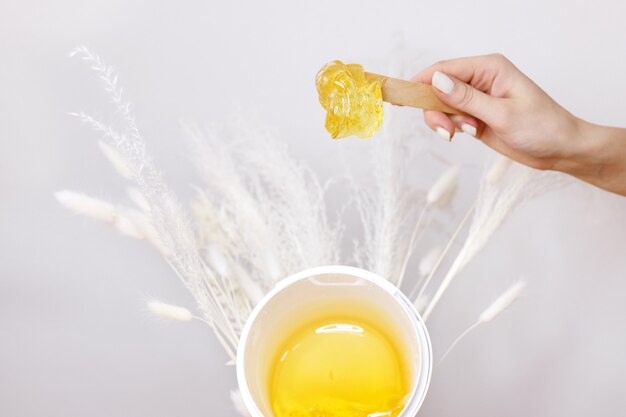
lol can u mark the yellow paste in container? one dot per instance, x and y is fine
(338, 367)
(354, 104)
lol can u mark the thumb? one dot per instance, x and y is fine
(464, 97)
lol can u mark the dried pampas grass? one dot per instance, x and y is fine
(173, 229)
(258, 215)
(503, 188)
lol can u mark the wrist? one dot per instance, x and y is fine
(581, 148)
(595, 154)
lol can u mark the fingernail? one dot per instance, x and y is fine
(469, 129)
(442, 82)
(443, 133)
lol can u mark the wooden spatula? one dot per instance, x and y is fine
(407, 93)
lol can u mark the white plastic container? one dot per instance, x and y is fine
(302, 297)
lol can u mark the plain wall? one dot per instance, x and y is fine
(75, 339)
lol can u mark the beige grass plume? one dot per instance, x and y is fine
(169, 311)
(494, 310)
(443, 190)
(123, 220)
(116, 160)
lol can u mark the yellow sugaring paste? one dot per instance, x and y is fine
(338, 367)
(353, 102)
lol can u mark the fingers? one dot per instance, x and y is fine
(475, 85)
(440, 123)
(467, 124)
(462, 96)
(478, 71)
(446, 125)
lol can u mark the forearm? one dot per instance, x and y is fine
(598, 156)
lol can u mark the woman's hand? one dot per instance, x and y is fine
(511, 114)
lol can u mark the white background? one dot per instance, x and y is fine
(75, 339)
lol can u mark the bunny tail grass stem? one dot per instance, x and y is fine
(224, 315)
(220, 338)
(231, 337)
(496, 308)
(412, 244)
(443, 254)
(457, 340)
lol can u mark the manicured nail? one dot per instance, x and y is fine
(443, 133)
(442, 82)
(469, 129)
